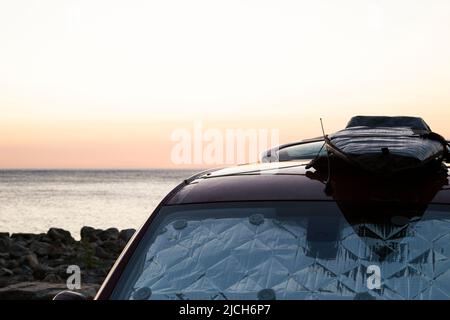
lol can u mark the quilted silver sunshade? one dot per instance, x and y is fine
(257, 253)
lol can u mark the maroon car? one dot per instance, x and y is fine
(272, 231)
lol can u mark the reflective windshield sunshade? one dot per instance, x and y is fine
(290, 250)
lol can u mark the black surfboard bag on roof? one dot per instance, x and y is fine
(386, 145)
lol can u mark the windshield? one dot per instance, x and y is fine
(291, 250)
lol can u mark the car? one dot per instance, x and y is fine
(272, 231)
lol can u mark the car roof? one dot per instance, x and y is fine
(282, 181)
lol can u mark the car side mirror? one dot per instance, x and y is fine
(69, 295)
(269, 155)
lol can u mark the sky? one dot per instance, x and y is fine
(105, 83)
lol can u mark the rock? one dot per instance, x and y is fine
(32, 261)
(43, 237)
(53, 278)
(70, 255)
(16, 250)
(40, 248)
(23, 237)
(5, 281)
(30, 258)
(61, 271)
(101, 253)
(88, 234)
(5, 272)
(121, 244)
(126, 234)
(39, 274)
(23, 271)
(95, 276)
(94, 262)
(112, 246)
(12, 263)
(5, 243)
(55, 252)
(55, 262)
(109, 234)
(90, 291)
(41, 291)
(60, 235)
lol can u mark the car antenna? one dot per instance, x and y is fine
(313, 161)
(327, 183)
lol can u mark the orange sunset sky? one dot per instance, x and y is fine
(104, 83)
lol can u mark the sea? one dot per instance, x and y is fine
(32, 201)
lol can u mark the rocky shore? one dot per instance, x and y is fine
(34, 266)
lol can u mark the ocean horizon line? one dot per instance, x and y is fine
(104, 169)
